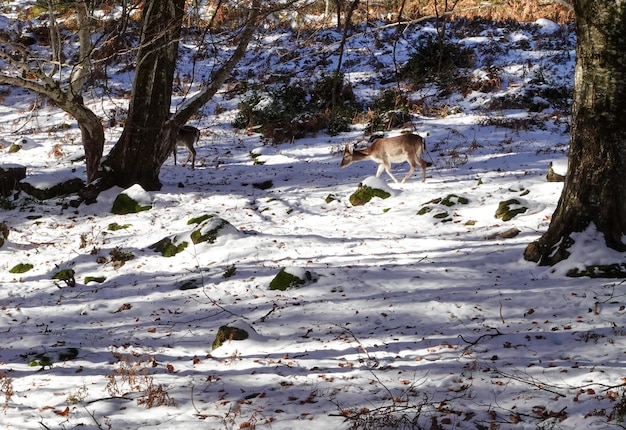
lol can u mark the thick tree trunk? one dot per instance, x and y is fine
(145, 143)
(92, 134)
(595, 185)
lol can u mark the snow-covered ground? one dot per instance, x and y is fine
(422, 318)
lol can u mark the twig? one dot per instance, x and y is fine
(539, 385)
(91, 414)
(264, 317)
(108, 398)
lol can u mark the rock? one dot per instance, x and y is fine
(209, 229)
(292, 278)
(614, 271)
(506, 234)
(21, 268)
(10, 176)
(226, 333)
(508, 209)
(132, 200)
(364, 194)
(47, 186)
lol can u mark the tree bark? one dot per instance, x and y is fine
(145, 143)
(594, 192)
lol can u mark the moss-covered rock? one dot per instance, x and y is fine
(616, 270)
(509, 209)
(331, 198)
(167, 248)
(21, 268)
(67, 276)
(292, 278)
(199, 219)
(439, 207)
(364, 194)
(115, 226)
(125, 204)
(208, 229)
(48, 358)
(453, 199)
(424, 210)
(226, 333)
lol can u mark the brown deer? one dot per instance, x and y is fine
(187, 136)
(384, 151)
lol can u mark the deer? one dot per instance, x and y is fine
(384, 151)
(187, 136)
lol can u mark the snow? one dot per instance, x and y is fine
(437, 319)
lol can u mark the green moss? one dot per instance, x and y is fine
(424, 210)
(115, 226)
(441, 215)
(434, 201)
(65, 275)
(453, 199)
(225, 333)
(331, 198)
(364, 194)
(98, 279)
(210, 236)
(505, 212)
(14, 148)
(41, 360)
(167, 248)
(199, 219)
(21, 268)
(123, 205)
(285, 280)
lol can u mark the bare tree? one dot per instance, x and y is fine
(595, 189)
(59, 82)
(150, 128)
(149, 135)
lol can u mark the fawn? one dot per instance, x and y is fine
(187, 136)
(384, 151)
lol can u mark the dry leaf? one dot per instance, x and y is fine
(64, 412)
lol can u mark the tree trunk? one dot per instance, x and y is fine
(145, 143)
(595, 186)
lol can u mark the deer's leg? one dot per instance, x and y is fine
(387, 168)
(411, 170)
(423, 164)
(192, 156)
